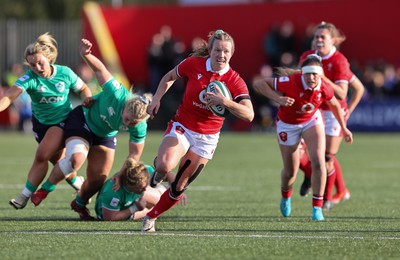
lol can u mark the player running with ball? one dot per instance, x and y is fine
(192, 135)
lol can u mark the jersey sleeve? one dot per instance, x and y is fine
(342, 71)
(76, 81)
(137, 134)
(282, 83)
(113, 87)
(24, 82)
(240, 90)
(110, 199)
(184, 67)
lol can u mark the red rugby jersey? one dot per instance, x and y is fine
(307, 100)
(193, 112)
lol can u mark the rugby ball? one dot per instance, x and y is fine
(219, 110)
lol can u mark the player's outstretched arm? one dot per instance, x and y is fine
(100, 70)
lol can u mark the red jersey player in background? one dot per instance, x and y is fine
(300, 95)
(192, 135)
(337, 72)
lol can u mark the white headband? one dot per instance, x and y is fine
(312, 69)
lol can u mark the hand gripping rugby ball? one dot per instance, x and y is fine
(219, 110)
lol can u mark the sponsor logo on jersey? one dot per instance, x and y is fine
(203, 103)
(111, 111)
(60, 86)
(199, 76)
(23, 78)
(114, 202)
(116, 84)
(104, 118)
(41, 88)
(51, 100)
(307, 108)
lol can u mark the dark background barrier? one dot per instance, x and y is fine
(376, 116)
(370, 27)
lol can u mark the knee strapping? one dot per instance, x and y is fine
(173, 189)
(72, 147)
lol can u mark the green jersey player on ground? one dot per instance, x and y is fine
(48, 85)
(132, 197)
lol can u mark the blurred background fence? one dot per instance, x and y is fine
(15, 35)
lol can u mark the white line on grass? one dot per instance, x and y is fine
(192, 235)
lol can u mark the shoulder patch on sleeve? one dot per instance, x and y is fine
(116, 84)
(283, 79)
(23, 78)
(114, 202)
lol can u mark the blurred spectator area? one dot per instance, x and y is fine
(373, 59)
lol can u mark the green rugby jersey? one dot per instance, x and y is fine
(50, 102)
(116, 200)
(104, 118)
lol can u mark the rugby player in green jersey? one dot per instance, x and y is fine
(132, 197)
(48, 86)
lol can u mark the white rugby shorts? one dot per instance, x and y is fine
(203, 145)
(290, 134)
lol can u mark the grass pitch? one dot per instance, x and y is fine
(233, 210)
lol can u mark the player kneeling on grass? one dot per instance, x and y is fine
(133, 198)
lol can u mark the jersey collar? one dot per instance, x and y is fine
(330, 54)
(220, 72)
(54, 71)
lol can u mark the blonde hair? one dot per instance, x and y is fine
(335, 33)
(135, 173)
(218, 35)
(138, 104)
(46, 45)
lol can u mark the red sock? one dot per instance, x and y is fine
(305, 165)
(317, 201)
(165, 203)
(339, 182)
(330, 183)
(286, 193)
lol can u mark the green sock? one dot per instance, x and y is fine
(48, 186)
(32, 188)
(80, 202)
(70, 182)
